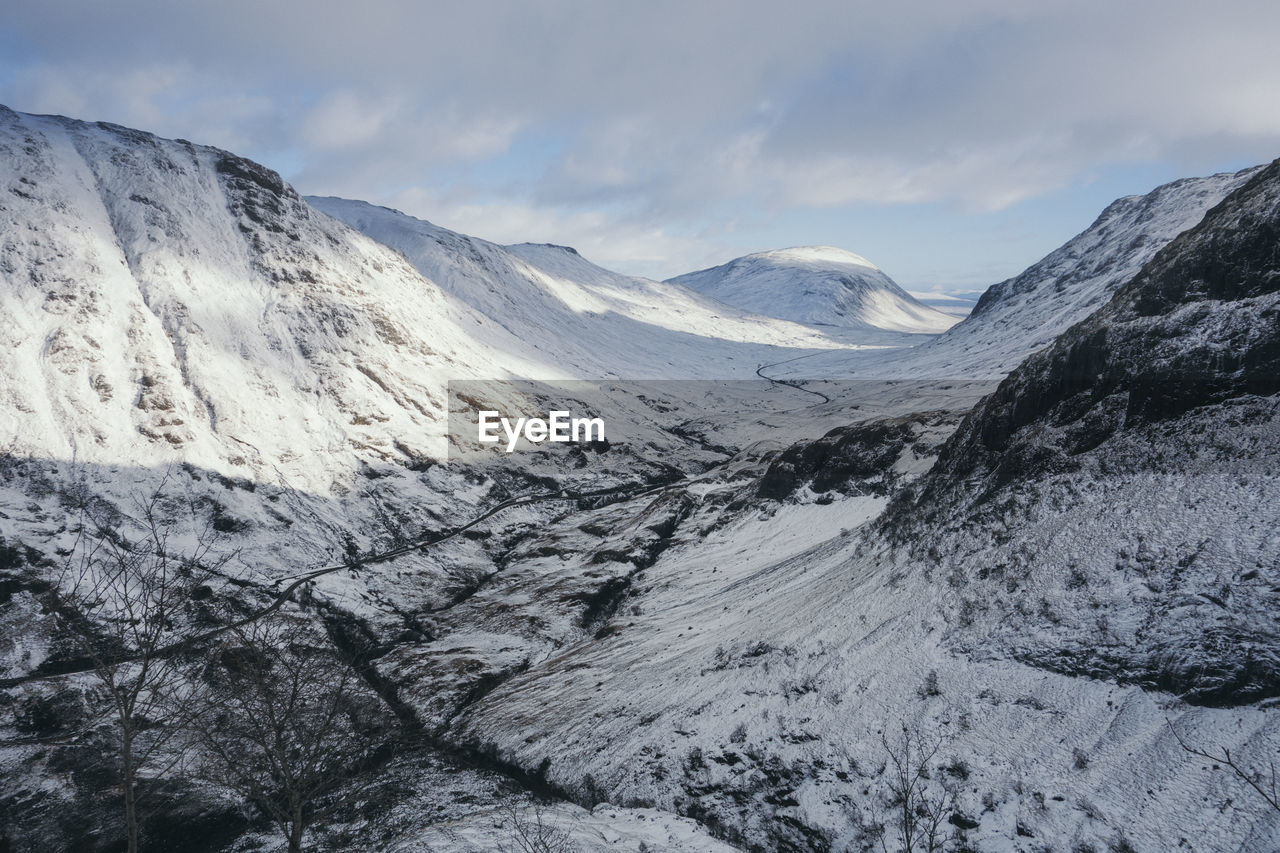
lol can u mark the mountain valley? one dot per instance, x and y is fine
(828, 519)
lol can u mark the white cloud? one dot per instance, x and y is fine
(669, 118)
(344, 120)
(604, 239)
(168, 99)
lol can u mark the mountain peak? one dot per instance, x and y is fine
(813, 255)
(818, 286)
(567, 249)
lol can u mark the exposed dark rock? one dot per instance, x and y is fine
(857, 459)
(1187, 351)
(246, 170)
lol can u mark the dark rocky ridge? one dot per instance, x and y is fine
(1199, 325)
(855, 459)
(1164, 396)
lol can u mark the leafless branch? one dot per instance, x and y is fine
(531, 833)
(921, 804)
(1265, 783)
(289, 726)
(123, 602)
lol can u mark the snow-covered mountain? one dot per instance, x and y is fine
(1024, 314)
(818, 286)
(167, 301)
(554, 307)
(727, 645)
(1124, 466)
(1089, 567)
(171, 300)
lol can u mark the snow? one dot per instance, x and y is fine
(817, 255)
(820, 286)
(555, 309)
(779, 624)
(958, 304)
(1024, 314)
(166, 333)
(604, 828)
(699, 650)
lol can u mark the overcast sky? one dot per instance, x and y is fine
(952, 143)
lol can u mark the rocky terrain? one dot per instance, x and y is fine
(805, 543)
(1026, 313)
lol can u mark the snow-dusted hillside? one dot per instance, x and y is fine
(1043, 583)
(166, 301)
(1128, 468)
(176, 314)
(1091, 561)
(1026, 313)
(819, 286)
(549, 304)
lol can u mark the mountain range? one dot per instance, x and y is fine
(1041, 537)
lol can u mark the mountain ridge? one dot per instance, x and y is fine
(1024, 314)
(1047, 583)
(1177, 372)
(558, 302)
(817, 285)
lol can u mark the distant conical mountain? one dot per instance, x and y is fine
(818, 286)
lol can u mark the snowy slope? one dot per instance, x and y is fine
(1127, 465)
(169, 301)
(819, 286)
(1092, 560)
(747, 674)
(550, 304)
(177, 316)
(1026, 313)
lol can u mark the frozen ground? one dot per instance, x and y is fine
(814, 562)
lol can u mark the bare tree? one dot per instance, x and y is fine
(921, 803)
(530, 832)
(288, 724)
(124, 603)
(1264, 782)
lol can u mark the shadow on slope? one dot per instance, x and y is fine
(1109, 510)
